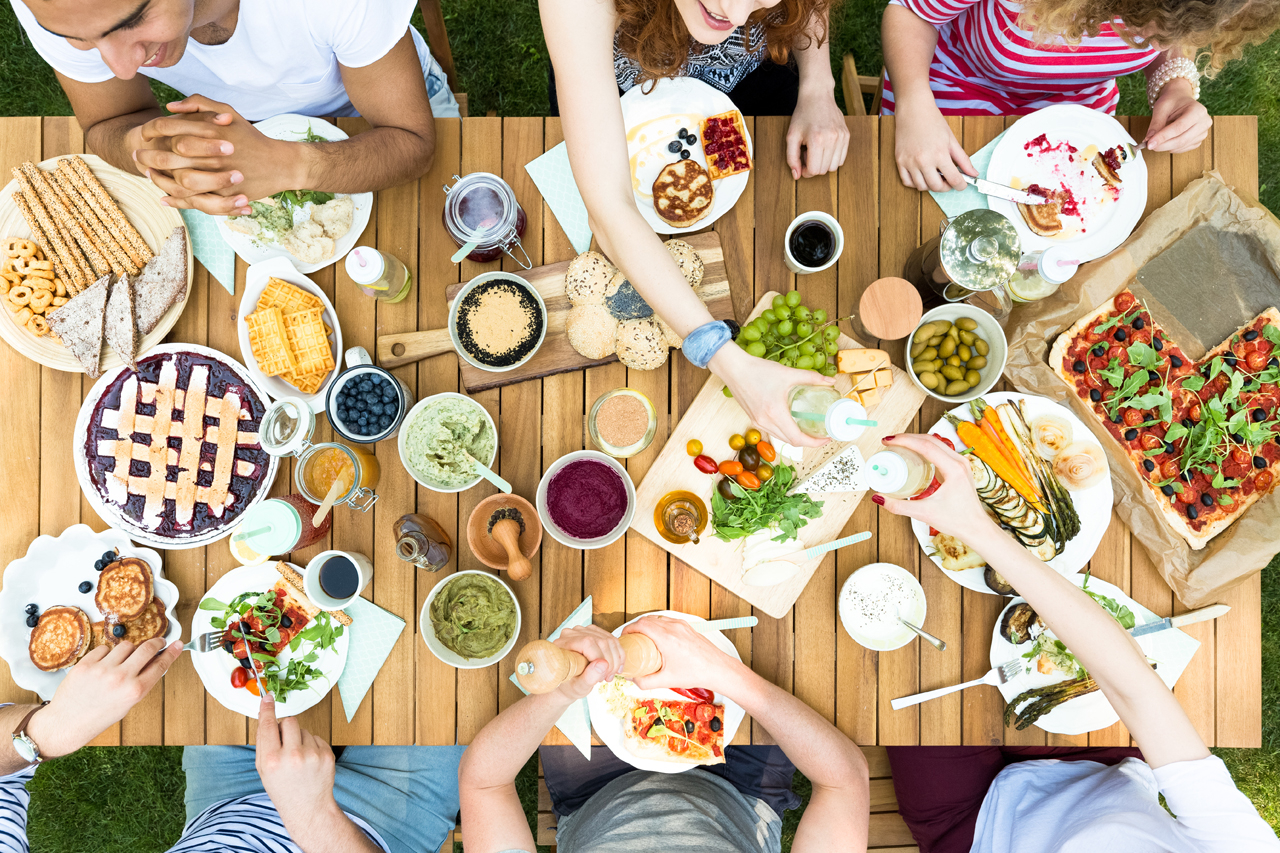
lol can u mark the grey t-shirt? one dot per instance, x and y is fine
(645, 812)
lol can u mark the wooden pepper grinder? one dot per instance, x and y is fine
(543, 666)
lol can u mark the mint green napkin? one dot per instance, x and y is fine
(954, 203)
(373, 633)
(554, 179)
(210, 249)
(575, 722)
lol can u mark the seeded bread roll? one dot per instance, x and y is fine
(641, 345)
(688, 259)
(590, 329)
(588, 276)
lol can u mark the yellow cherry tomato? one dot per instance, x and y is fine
(753, 436)
(693, 447)
(764, 471)
(737, 442)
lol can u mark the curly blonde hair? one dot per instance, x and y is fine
(653, 33)
(1215, 30)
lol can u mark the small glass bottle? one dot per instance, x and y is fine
(897, 472)
(1040, 274)
(821, 412)
(422, 542)
(379, 275)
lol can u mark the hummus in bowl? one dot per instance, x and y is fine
(436, 435)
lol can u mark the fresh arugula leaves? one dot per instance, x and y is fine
(1118, 611)
(766, 506)
(1271, 333)
(1117, 321)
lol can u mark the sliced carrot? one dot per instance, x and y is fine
(988, 451)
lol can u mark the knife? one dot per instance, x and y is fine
(986, 187)
(254, 668)
(1204, 614)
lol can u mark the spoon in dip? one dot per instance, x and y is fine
(925, 635)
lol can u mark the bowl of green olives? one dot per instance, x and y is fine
(957, 353)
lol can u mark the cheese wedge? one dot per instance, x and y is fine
(861, 360)
(840, 473)
(869, 398)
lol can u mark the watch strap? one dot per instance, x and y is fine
(21, 730)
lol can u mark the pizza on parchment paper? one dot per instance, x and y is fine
(679, 732)
(1205, 435)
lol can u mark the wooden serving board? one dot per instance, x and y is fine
(711, 419)
(555, 355)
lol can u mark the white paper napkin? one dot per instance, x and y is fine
(554, 178)
(954, 203)
(373, 632)
(576, 722)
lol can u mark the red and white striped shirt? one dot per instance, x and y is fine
(985, 64)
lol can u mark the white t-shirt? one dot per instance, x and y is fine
(1085, 807)
(282, 58)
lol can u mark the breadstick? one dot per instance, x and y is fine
(106, 207)
(115, 255)
(53, 236)
(67, 215)
(75, 258)
(37, 233)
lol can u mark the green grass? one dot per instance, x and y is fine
(91, 801)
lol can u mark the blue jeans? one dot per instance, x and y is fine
(409, 794)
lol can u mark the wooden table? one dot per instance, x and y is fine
(417, 699)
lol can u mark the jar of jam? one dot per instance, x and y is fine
(482, 209)
(281, 525)
(321, 465)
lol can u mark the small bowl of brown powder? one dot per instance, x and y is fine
(622, 422)
(497, 321)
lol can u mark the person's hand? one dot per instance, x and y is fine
(954, 508)
(296, 768)
(761, 388)
(818, 127)
(97, 693)
(604, 658)
(1179, 122)
(689, 659)
(928, 154)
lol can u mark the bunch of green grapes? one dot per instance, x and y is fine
(793, 335)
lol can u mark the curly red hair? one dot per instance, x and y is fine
(653, 33)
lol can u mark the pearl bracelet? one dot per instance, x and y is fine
(1172, 69)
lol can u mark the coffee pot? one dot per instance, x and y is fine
(971, 260)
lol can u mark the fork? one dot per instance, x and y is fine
(998, 675)
(204, 643)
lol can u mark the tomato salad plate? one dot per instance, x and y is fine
(299, 651)
(654, 122)
(664, 730)
(1054, 692)
(1087, 164)
(1040, 473)
(62, 573)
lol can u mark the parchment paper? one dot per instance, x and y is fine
(1204, 264)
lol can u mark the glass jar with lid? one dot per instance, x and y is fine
(286, 430)
(820, 411)
(481, 210)
(379, 274)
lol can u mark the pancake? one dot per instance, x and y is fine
(682, 193)
(151, 623)
(1044, 219)
(125, 588)
(61, 637)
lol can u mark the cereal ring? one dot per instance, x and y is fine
(38, 284)
(23, 315)
(40, 300)
(60, 286)
(12, 277)
(18, 247)
(20, 295)
(4, 286)
(38, 326)
(59, 301)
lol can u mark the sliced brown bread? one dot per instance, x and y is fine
(163, 282)
(79, 324)
(120, 329)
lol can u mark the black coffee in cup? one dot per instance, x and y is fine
(812, 243)
(339, 578)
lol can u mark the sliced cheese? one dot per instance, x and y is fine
(884, 377)
(863, 381)
(861, 360)
(840, 473)
(869, 398)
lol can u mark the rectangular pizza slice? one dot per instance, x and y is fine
(679, 732)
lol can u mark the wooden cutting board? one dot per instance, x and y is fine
(711, 419)
(555, 355)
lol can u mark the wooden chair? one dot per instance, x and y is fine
(855, 87)
(438, 41)
(888, 831)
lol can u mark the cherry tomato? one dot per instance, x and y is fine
(737, 442)
(749, 458)
(748, 481)
(1188, 495)
(1264, 480)
(731, 467)
(764, 472)
(1150, 442)
(766, 451)
(693, 447)
(753, 436)
(705, 713)
(252, 686)
(725, 488)
(1171, 469)
(1132, 417)
(705, 464)
(678, 745)
(1241, 456)
(239, 676)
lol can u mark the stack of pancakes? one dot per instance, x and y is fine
(131, 611)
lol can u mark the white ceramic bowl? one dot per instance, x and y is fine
(573, 541)
(457, 302)
(912, 609)
(404, 432)
(988, 329)
(428, 630)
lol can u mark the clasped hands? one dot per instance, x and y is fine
(208, 157)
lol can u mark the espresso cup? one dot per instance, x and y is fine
(311, 579)
(837, 237)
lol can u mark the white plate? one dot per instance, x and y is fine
(110, 513)
(1171, 650)
(49, 575)
(913, 611)
(215, 667)
(255, 281)
(293, 127)
(1081, 127)
(654, 118)
(1092, 504)
(609, 727)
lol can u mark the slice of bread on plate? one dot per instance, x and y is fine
(163, 282)
(79, 325)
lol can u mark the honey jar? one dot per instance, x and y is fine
(286, 430)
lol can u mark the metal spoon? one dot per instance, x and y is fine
(925, 635)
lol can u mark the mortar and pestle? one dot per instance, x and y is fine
(504, 532)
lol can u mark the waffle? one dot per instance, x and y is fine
(269, 342)
(307, 383)
(724, 142)
(125, 588)
(682, 193)
(62, 636)
(287, 297)
(310, 347)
